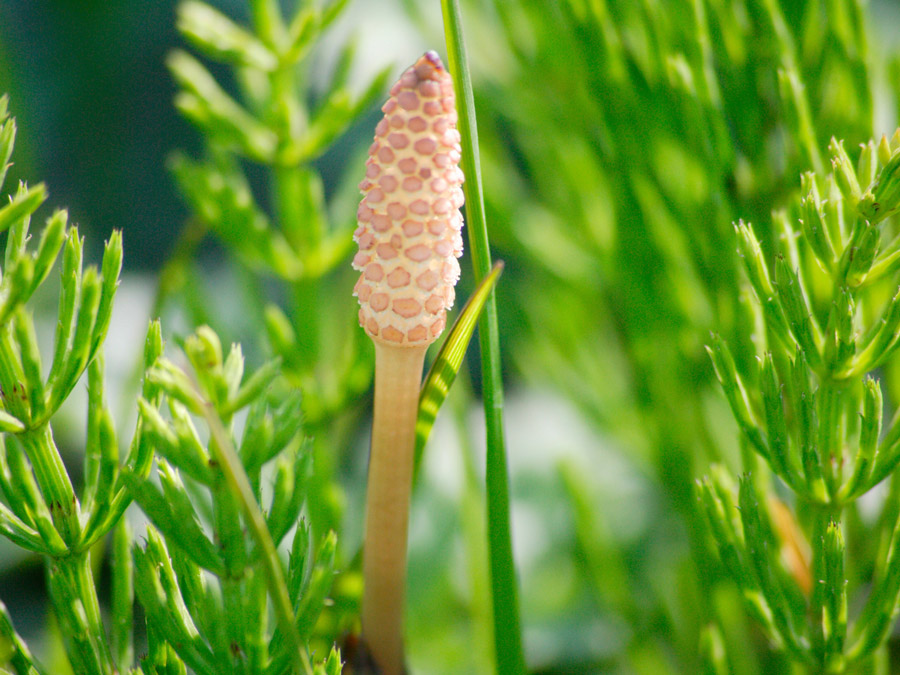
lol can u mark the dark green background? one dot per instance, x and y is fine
(87, 82)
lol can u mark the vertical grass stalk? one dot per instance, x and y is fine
(504, 589)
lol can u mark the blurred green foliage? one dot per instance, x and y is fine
(621, 142)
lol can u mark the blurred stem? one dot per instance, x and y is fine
(123, 596)
(173, 274)
(504, 589)
(288, 187)
(306, 305)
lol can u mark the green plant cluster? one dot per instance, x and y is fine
(41, 510)
(620, 142)
(811, 412)
(209, 573)
(272, 125)
(219, 461)
(210, 599)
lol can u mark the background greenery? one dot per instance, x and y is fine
(620, 141)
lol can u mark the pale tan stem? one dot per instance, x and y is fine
(398, 376)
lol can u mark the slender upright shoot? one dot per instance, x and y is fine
(409, 239)
(504, 587)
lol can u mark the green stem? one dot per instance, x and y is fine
(504, 589)
(75, 599)
(51, 476)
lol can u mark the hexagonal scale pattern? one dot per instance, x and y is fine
(409, 220)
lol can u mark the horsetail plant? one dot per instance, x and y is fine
(207, 599)
(300, 237)
(409, 239)
(813, 412)
(209, 573)
(40, 509)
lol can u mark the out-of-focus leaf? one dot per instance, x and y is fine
(220, 38)
(216, 113)
(221, 196)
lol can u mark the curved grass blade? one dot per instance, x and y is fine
(504, 587)
(448, 361)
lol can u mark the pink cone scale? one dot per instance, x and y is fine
(409, 220)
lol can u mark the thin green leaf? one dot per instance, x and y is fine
(288, 492)
(70, 292)
(504, 589)
(51, 242)
(109, 276)
(75, 358)
(310, 605)
(167, 615)
(30, 495)
(253, 387)
(302, 31)
(10, 424)
(448, 361)
(220, 38)
(7, 137)
(20, 533)
(204, 102)
(30, 356)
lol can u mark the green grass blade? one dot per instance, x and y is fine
(504, 590)
(448, 361)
